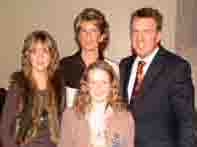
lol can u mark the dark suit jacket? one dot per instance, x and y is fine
(163, 110)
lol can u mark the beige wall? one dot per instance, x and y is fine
(20, 17)
(185, 35)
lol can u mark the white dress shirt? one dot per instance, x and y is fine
(148, 61)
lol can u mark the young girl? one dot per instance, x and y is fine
(98, 117)
(32, 109)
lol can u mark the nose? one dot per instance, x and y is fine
(140, 36)
(40, 54)
(88, 35)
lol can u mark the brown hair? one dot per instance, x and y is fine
(31, 95)
(92, 14)
(148, 13)
(45, 38)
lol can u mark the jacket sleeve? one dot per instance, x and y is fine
(182, 100)
(8, 118)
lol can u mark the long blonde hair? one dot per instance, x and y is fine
(83, 101)
(52, 97)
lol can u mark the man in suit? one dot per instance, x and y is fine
(163, 106)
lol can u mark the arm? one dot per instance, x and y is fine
(66, 130)
(182, 99)
(8, 118)
(131, 129)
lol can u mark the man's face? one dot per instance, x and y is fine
(144, 36)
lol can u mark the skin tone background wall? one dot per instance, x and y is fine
(20, 17)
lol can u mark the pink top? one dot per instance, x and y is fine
(119, 130)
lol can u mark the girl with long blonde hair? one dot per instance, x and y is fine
(98, 118)
(32, 111)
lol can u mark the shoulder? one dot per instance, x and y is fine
(13, 96)
(123, 116)
(69, 59)
(17, 80)
(122, 121)
(17, 76)
(126, 64)
(173, 60)
(126, 61)
(171, 56)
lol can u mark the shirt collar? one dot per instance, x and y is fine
(148, 59)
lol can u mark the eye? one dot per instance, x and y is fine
(32, 51)
(92, 30)
(149, 31)
(106, 82)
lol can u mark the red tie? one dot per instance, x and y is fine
(138, 79)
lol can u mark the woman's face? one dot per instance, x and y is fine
(89, 36)
(99, 84)
(39, 57)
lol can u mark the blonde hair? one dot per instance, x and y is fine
(83, 101)
(52, 97)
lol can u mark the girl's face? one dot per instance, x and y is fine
(39, 57)
(99, 85)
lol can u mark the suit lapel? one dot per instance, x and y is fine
(126, 76)
(154, 70)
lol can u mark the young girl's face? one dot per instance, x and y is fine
(39, 57)
(99, 84)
